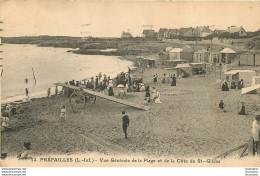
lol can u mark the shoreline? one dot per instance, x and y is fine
(43, 93)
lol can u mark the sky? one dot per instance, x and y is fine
(109, 18)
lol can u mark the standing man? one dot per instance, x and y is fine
(125, 119)
(56, 90)
(26, 92)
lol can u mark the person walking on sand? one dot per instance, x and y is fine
(126, 121)
(63, 113)
(48, 92)
(26, 92)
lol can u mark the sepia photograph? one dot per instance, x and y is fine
(129, 83)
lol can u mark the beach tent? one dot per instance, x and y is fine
(249, 89)
(183, 68)
(227, 54)
(237, 75)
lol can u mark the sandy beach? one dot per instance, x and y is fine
(187, 123)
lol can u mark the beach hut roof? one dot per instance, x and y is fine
(198, 63)
(187, 48)
(186, 65)
(176, 50)
(168, 49)
(248, 89)
(227, 50)
(149, 59)
(233, 72)
(201, 51)
(252, 52)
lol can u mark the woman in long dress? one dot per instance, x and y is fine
(233, 85)
(110, 88)
(173, 80)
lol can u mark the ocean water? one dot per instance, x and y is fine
(50, 65)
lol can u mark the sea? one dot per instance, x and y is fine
(44, 66)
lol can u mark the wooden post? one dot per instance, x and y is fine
(0, 93)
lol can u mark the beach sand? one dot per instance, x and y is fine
(186, 124)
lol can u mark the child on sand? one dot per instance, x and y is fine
(26, 154)
(4, 123)
(158, 97)
(63, 113)
(221, 106)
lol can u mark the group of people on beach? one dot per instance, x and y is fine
(166, 79)
(241, 112)
(225, 84)
(152, 95)
(99, 83)
(103, 82)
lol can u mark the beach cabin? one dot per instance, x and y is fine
(164, 55)
(184, 53)
(175, 54)
(227, 54)
(237, 75)
(183, 70)
(201, 56)
(250, 58)
(165, 61)
(214, 56)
